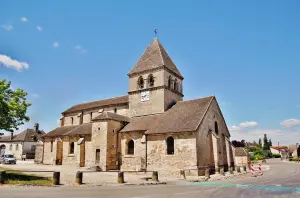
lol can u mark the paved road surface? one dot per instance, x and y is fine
(283, 180)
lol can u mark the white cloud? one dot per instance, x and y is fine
(290, 123)
(55, 44)
(35, 95)
(23, 19)
(80, 49)
(7, 27)
(11, 63)
(39, 28)
(234, 128)
(248, 124)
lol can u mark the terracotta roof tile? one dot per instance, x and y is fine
(25, 136)
(154, 56)
(83, 129)
(142, 123)
(98, 103)
(59, 131)
(112, 116)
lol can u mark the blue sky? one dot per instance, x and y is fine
(245, 53)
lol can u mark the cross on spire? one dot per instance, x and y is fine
(155, 32)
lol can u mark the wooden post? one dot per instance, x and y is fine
(120, 177)
(56, 178)
(231, 170)
(155, 176)
(238, 169)
(207, 175)
(3, 177)
(79, 176)
(182, 174)
(222, 171)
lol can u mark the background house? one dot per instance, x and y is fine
(241, 156)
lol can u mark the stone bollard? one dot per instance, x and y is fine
(120, 177)
(231, 170)
(238, 169)
(244, 168)
(56, 178)
(79, 176)
(217, 170)
(3, 177)
(182, 174)
(155, 176)
(222, 171)
(207, 175)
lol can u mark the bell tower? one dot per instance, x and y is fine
(155, 83)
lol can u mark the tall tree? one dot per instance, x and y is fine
(13, 107)
(270, 143)
(259, 143)
(266, 143)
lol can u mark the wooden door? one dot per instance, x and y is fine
(82, 155)
(59, 153)
(97, 156)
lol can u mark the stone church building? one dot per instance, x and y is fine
(151, 128)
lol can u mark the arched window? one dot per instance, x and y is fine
(216, 128)
(72, 120)
(176, 85)
(115, 110)
(130, 147)
(170, 82)
(141, 82)
(150, 80)
(170, 146)
(71, 148)
(91, 116)
(17, 147)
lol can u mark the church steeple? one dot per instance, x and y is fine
(155, 57)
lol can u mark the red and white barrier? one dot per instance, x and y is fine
(260, 170)
(252, 171)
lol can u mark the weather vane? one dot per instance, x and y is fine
(155, 32)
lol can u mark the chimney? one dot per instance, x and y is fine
(11, 135)
(36, 127)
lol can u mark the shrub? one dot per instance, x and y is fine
(276, 155)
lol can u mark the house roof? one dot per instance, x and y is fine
(112, 116)
(183, 116)
(99, 103)
(25, 136)
(83, 129)
(279, 147)
(239, 151)
(292, 148)
(154, 57)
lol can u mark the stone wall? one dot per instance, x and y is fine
(138, 160)
(158, 80)
(185, 156)
(39, 150)
(49, 155)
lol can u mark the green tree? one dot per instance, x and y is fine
(270, 143)
(266, 143)
(259, 143)
(13, 107)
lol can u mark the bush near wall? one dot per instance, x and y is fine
(276, 155)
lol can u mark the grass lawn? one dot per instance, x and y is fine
(19, 178)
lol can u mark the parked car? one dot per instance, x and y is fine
(8, 159)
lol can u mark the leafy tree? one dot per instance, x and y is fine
(266, 143)
(13, 107)
(270, 143)
(259, 143)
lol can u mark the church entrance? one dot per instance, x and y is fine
(59, 153)
(2, 150)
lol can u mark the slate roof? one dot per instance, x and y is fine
(239, 151)
(99, 103)
(184, 116)
(112, 116)
(83, 129)
(25, 136)
(154, 56)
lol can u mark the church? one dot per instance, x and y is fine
(150, 128)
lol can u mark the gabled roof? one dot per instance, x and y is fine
(83, 129)
(25, 136)
(184, 116)
(99, 103)
(111, 116)
(154, 56)
(239, 151)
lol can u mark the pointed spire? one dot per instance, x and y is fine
(154, 56)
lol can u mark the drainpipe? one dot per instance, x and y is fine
(146, 142)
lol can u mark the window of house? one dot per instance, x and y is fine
(170, 146)
(170, 82)
(141, 82)
(150, 80)
(130, 147)
(176, 85)
(51, 146)
(17, 147)
(10, 147)
(71, 148)
(115, 110)
(72, 120)
(216, 128)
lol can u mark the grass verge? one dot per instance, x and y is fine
(23, 179)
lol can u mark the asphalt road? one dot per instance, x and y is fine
(283, 180)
